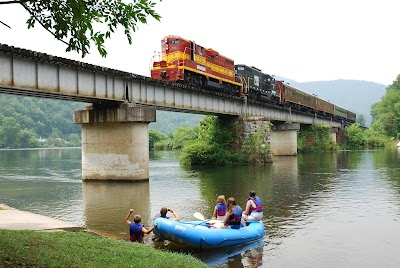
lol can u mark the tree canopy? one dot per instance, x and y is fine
(386, 113)
(79, 23)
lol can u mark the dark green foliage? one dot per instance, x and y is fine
(386, 113)
(256, 148)
(316, 137)
(358, 137)
(155, 137)
(218, 130)
(213, 143)
(183, 136)
(53, 120)
(78, 23)
(23, 120)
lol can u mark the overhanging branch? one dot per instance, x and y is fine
(30, 12)
(5, 24)
(13, 2)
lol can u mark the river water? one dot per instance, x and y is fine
(320, 210)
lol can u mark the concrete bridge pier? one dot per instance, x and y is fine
(115, 142)
(333, 132)
(284, 139)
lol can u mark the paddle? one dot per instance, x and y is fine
(199, 216)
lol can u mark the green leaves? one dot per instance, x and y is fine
(79, 23)
(315, 138)
(386, 113)
(365, 138)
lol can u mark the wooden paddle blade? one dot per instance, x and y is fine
(199, 216)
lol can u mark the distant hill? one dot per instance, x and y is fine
(167, 122)
(354, 95)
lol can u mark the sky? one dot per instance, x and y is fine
(302, 40)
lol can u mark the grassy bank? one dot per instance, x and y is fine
(81, 249)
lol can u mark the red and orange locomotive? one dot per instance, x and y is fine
(185, 61)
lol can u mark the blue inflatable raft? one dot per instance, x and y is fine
(197, 234)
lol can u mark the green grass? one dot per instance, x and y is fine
(82, 249)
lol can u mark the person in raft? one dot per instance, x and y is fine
(136, 229)
(233, 216)
(254, 210)
(163, 214)
(220, 208)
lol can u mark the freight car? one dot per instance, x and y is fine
(183, 61)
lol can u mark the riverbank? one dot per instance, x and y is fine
(14, 219)
(25, 241)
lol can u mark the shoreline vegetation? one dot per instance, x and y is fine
(316, 138)
(27, 122)
(82, 249)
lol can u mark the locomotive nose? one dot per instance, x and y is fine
(163, 74)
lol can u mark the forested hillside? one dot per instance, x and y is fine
(168, 122)
(23, 120)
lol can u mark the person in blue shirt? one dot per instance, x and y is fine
(233, 214)
(163, 214)
(136, 229)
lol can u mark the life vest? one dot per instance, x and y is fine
(235, 218)
(135, 232)
(221, 209)
(258, 207)
(158, 215)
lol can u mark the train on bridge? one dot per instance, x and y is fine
(184, 61)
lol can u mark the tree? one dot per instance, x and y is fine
(361, 120)
(154, 137)
(27, 139)
(74, 139)
(182, 136)
(215, 136)
(9, 132)
(386, 113)
(82, 22)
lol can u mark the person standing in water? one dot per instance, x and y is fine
(136, 229)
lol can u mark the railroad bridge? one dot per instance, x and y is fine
(115, 127)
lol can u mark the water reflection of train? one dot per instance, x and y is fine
(185, 62)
